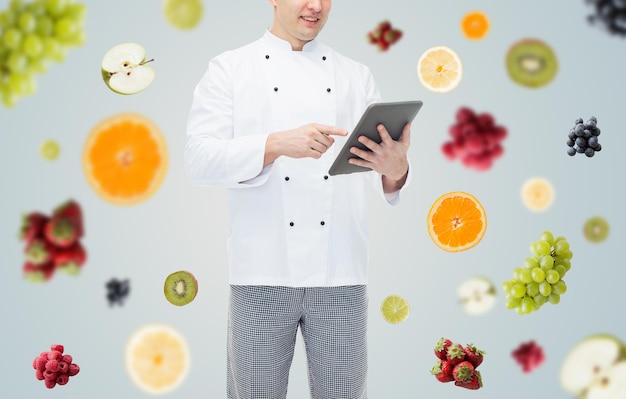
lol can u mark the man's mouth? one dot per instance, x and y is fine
(310, 19)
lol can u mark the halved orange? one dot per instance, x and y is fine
(456, 221)
(475, 25)
(125, 158)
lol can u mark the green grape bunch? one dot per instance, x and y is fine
(32, 36)
(540, 278)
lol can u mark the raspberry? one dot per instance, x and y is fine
(464, 115)
(57, 347)
(50, 375)
(63, 367)
(50, 383)
(44, 355)
(39, 375)
(62, 379)
(73, 369)
(41, 363)
(67, 359)
(54, 355)
(528, 355)
(52, 365)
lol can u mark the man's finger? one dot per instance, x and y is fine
(406, 134)
(334, 130)
(384, 134)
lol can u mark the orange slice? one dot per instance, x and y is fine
(125, 158)
(439, 69)
(456, 221)
(475, 25)
(157, 358)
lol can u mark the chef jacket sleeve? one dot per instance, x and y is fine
(373, 95)
(213, 156)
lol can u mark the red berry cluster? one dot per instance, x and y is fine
(52, 242)
(528, 355)
(476, 139)
(458, 363)
(54, 367)
(384, 36)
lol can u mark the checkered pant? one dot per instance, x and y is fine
(262, 326)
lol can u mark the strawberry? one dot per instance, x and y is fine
(71, 259)
(455, 354)
(32, 226)
(441, 348)
(384, 26)
(39, 251)
(474, 382)
(61, 231)
(38, 273)
(462, 371)
(71, 210)
(391, 36)
(473, 355)
(442, 371)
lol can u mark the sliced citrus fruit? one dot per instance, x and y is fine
(456, 221)
(395, 309)
(125, 158)
(50, 150)
(183, 14)
(537, 194)
(439, 69)
(475, 25)
(596, 229)
(157, 358)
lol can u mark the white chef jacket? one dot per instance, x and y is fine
(290, 223)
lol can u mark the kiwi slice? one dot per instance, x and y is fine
(180, 288)
(596, 229)
(531, 63)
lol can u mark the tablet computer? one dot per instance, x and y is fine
(393, 115)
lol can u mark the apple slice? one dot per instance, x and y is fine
(477, 295)
(589, 363)
(124, 69)
(611, 386)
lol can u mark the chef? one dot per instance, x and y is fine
(266, 122)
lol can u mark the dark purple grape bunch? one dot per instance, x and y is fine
(610, 15)
(117, 291)
(583, 138)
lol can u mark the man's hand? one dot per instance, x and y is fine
(308, 141)
(387, 158)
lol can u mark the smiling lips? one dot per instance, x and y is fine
(310, 19)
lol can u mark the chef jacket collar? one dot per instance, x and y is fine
(279, 43)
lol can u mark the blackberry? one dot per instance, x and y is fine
(117, 291)
(610, 14)
(583, 137)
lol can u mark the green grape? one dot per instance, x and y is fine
(39, 65)
(518, 310)
(517, 272)
(12, 38)
(547, 262)
(16, 5)
(559, 238)
(561, 270)
(567, 254)
(560, 287)
(512, 302)
(37, 7)
(32, 45)
(506, 286)
(44, 26)
(554, 298)
(76, 11)
(518, 290)
(548, 237)
(538, 275)
(56, 8)
(525, 276)
(532, 289)
(530, 263)
(540, 300)
(65, 28)
(17, 83)
(545, 288)
(7, 19)
(528, 305)
(542, 247)
(561, 246)
(564, 262)
(17, 61)
(27, 22)
(552, 276)
(533, 249)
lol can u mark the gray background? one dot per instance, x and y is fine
(184, 227)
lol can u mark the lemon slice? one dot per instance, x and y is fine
(157, 358)
(183, 14)
(439, 69)
(537, 194)
(395, 309)
(50, 150)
